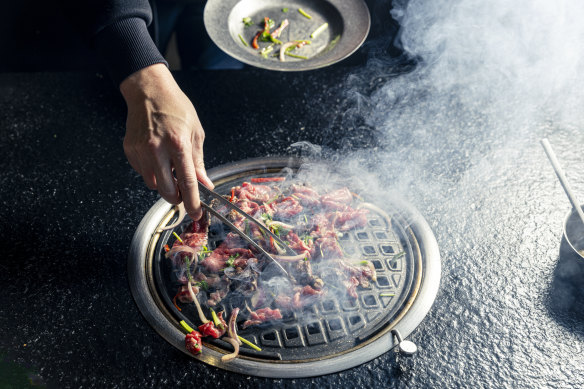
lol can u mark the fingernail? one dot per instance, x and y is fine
(196, 215)
(209, 182)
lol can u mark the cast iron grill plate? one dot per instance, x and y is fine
(333, 334)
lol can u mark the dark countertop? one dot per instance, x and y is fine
(510, 311)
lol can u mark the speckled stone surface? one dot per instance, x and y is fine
(510, 311)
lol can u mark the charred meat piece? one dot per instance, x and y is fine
(221, 290)
(195, 235)
(219, 258)
(302, 271)
(261, 193)
(364, 272)
(261, 316)
(210, 281)
(298, 245)
(350, 218)
(183, 294)
(302, 297)
(351, 285)
(307, 196)
(349, 275)
(244, 277)
(287, 208)
(339, 199)
(193, 343)
(327, 247)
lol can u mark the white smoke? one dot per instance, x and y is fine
(489, 78)
(508, 59)
(458, 134)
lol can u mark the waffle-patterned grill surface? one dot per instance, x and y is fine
(337, 322)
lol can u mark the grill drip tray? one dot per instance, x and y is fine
(331, 335)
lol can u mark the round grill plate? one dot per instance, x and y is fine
(332, 335)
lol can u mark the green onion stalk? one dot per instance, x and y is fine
(243, 40)
(319, 30)
(303, 13)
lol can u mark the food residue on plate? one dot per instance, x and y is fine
(270, 37)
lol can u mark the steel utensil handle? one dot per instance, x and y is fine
(562, 177)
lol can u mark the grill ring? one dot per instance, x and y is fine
(369, 345)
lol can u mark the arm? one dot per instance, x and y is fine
(163, 132)
(118, 31)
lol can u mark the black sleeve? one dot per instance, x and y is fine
(117, 29)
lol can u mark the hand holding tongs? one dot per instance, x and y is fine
(222, 209)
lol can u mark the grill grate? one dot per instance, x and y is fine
(334, 325)
(333, 335)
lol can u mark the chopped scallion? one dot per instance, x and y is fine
(177, 237)
(319, 30)
(202, 284)
(272, 199)
(296, 56)
(303, 13)
(386, 294)
(250, 344)
(243, 40)
(284, 10)
(266, 50)
(186, 326)
(331, 45)
(215, 318)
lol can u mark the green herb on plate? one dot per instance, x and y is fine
(295, 55)
(319, 30)
(266, 50)
(243, 40)
(303, 13)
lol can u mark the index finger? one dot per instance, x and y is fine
(186, 178)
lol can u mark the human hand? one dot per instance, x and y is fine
(164, 134)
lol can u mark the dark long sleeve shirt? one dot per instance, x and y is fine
(118, 30)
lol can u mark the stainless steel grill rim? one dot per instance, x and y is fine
(141, 288)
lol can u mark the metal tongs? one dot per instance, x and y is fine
(222, 207)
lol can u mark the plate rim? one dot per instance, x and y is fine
(234, 48)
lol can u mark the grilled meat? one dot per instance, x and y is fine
(309, 223)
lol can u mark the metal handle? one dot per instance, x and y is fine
(406, 347)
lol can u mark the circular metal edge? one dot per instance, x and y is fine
(431, 268)
(567, 219)
(231, 47)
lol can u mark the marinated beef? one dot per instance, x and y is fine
(307, 221)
